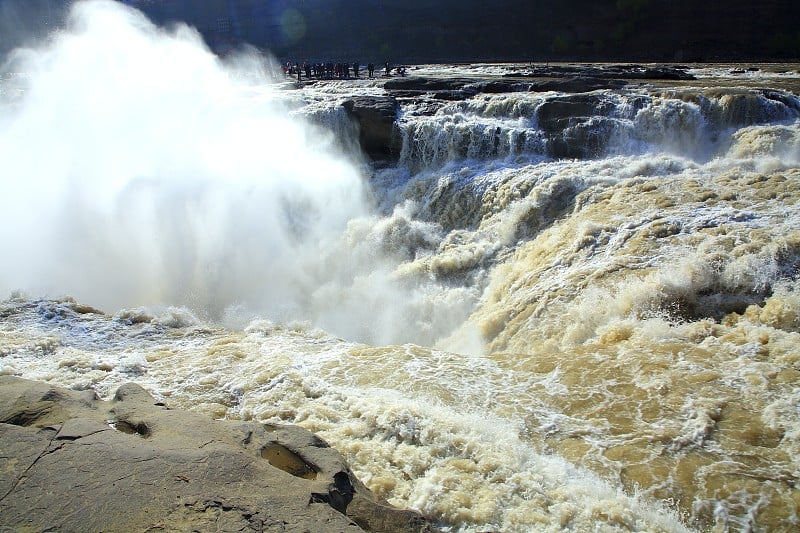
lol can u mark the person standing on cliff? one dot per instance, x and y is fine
(371, 69)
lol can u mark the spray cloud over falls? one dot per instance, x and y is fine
(140, 170)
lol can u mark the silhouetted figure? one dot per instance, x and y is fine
(355, 69)
(371, 69)
(386, 66)
(299, 72)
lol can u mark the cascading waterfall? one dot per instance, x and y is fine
(689, 123)
(552, 312)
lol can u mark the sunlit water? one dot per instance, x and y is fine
(522, 325)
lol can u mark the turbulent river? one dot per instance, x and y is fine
(492, 330)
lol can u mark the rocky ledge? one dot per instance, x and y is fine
(376, 115)
(72, 462)
(615, 72)
(460, 88)
(563, 78)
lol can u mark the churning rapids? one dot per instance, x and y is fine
(499, 337)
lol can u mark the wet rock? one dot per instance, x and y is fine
(576, 125)
(501, 86)
(557, 114)
(451, 96)
(561, 78)
(131, 464)
(375, 116)
(452, 89)
(423, 85)
(584, 139)
(576, 84)
(616, 72)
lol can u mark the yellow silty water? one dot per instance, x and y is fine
(553, 312)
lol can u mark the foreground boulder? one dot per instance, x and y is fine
(71, 462)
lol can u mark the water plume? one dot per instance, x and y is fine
(139, 169)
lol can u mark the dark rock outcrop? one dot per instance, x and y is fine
(375, 116)
(558, 113)
(422, 85)
(71, 462)
(576, 84)
(575, 125)
(562, 78)
(608, 72)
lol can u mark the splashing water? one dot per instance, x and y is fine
(141, 170)
(620, 266)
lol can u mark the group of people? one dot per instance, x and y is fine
(330, 70)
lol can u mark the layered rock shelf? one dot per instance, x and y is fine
(376, 115)
(72, 462)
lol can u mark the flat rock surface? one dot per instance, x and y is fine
(72, 462)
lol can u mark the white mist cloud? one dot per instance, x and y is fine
(138, 170)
